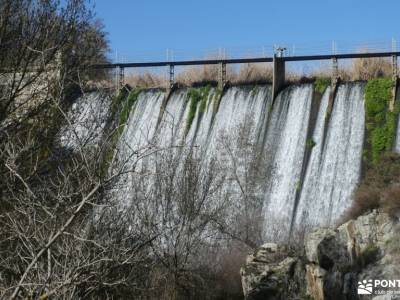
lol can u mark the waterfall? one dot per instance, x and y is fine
(233, 144)
(286, 138)
(280, 161)
(334, 168)
(86, 120)
(135, 143)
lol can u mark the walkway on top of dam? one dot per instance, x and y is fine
(246, 60)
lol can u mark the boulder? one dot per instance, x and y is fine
(332, 262)
(270, 274)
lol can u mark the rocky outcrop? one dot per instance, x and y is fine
(271, 274)
(330, 264)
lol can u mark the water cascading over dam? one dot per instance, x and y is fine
(299, 163)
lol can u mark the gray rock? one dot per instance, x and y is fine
(335, 260)
(269, 274)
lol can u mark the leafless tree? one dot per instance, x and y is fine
(61, 234)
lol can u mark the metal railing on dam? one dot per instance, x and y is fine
(277, 60)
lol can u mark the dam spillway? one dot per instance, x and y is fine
(278, 160)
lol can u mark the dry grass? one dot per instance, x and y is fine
(365, 69)
(380, 188)
(356, 69)
(195, 75)
(246, 73)
(146, 80)
(253, 73)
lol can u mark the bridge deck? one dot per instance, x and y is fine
(244, 60)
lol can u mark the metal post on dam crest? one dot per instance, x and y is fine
(278, 61)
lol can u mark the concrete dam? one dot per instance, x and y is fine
(279, 163)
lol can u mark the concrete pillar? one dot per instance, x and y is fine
(222, 75)
(394, 67)
(171, 80)
(278, 80)
(335, 71)
(395, 83)
(121, 77)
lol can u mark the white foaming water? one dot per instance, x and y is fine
(171, 131)
(141, 126)
(239, 109)
(233, 140)
(135, 142)
(334, 169)
(87, 120)
(231, 134)
(286, 137)
(397, 143)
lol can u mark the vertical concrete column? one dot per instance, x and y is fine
(222, 75)
(395, 78)
(121, 77)
(335, 71)
(278, 80)
(394, 66)
(171, 76)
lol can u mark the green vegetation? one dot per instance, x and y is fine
(122, 105)
(127, 106)
(298, 186)
(369, 255)
(378, 189)
(305, 296)
(216, 99)
(254, 90)
(321, 84)
(196, 96)
(121, 108)
(310, 143)
(118, 100)
(380, 121)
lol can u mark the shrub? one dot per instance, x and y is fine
(390, 199)
(321, 84)
(380, 122)
(380, 188)
(310, 143)
(369, 68)
(146, 80)
(253, 73)
(369, 255)
(393, 245)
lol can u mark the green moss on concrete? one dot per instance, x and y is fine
(380, 122)
(196, 96)
(118, 100)
(216, 99)
(321, 84)
(310, 144)
(127, 106)
(121, 108)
